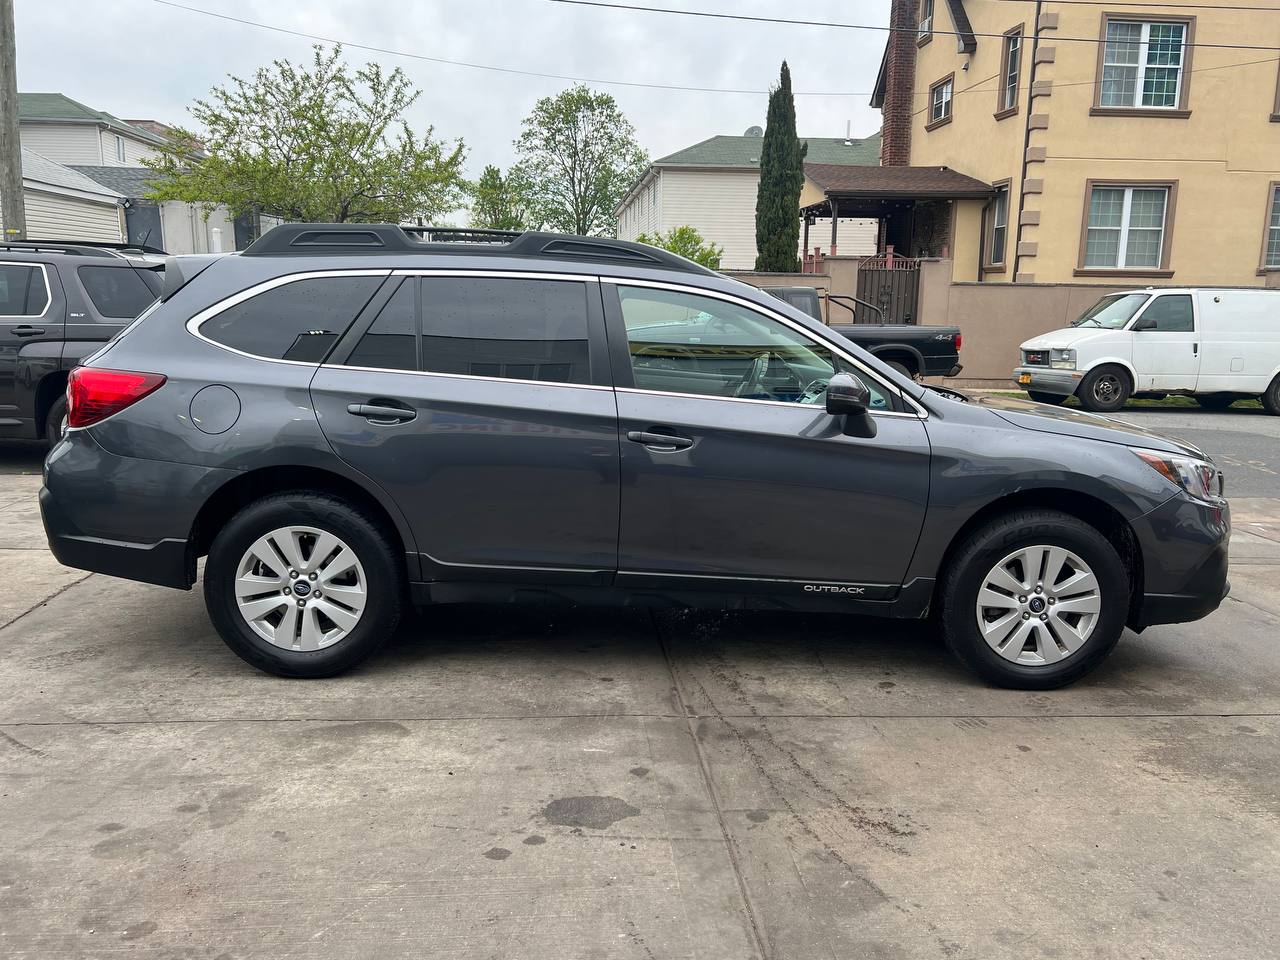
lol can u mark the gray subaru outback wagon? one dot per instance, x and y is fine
(346, 419)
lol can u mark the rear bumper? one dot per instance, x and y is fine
(122, 516)
(1184, 546)
(1047, 380)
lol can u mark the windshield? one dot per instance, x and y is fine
(1112, 312)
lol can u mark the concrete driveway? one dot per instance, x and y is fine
(509, 783)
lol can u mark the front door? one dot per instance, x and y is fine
(732, 471)
(482, 405)
(31, 321)
(1166, 354)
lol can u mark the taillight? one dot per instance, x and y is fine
(93, 394)
(959, 340)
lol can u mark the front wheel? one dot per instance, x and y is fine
(1034, 600)
(1053, 399)
(1271, 399)
(1104, 390)
(302, 584)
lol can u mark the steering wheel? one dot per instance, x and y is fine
(754, 377)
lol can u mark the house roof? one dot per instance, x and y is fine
(910, 182)
(745, 152)
(59, 108)
(128, 181)
(42, 171)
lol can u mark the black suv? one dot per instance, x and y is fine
(59, 302)
(345, 419)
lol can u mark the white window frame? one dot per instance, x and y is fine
(1273, 230)
(120, 154)
(999, 225)
(947, 86)
(1142, 65)
(1122, 251)
(1012, 61)
(926, 18)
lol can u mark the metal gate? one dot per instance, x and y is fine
(892, 283)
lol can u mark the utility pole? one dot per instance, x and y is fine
(11, 208)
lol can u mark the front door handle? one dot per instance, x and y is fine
(665, 442)
(26, 330)
(377, 413)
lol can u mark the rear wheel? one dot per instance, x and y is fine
(1104, 390)
(1215, 401)
(1034, 600)
(303, 585)
(54, 420)
(1271, 399)
(902, 368)
(1054, 399)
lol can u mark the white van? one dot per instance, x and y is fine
(1215, 344)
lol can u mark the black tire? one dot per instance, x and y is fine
(384, 586)
(1104, 389)
(984, 549)
(1215, 401)
(1271, 399)
(53, 421)
(902, 368)
(1053, 399)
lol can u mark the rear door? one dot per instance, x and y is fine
(31, 332)
(481, 403)
(1166, 355)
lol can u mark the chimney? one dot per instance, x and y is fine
(899, 84)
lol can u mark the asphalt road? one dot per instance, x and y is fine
(518, 783)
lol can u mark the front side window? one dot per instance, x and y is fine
(1142, 65)
(999, 225)
(1171, 313)
(1011, 66)
(116, 292)
(940, 101)
(685, 343)
(23, 292)
(295, 321)
(508, 328)
(1271, 256)
(1126, 227)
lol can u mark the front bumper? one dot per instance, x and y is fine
(123, 516)
(1047, 380)
(1184, 548)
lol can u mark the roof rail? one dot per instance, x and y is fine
(83, 248)
(348, 239)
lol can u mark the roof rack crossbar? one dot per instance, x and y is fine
(356, 239)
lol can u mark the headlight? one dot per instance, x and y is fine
(1062, 359)
(1200, 478)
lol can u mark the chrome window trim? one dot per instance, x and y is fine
(208, 313)
(920, 414)
(465, 376)
(48, 293)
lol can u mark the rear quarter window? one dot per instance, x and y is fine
(300, 320)
(116, 292)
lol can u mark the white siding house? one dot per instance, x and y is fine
(68, 132)
(712, 186)
(62, 204)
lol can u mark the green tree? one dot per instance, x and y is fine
(498, 202)
(313, 143)
(781, 180)
(687, 242)
(578, 155)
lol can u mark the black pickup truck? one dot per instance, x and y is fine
(916, 351)
(60, 302)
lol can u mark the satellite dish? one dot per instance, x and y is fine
(754, 132)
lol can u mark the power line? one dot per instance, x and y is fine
(485, 66)
(878, 28)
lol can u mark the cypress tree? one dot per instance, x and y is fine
(781, 180)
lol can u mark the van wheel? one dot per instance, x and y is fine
(1034, 600)
(1271, 399)
(1104, 390)
(301, 584)
(1215, 401)
(1053, 399)
(53, 421)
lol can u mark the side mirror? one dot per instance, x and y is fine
(1144, 323)
(846, 394)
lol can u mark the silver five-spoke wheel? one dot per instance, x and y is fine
(1038, 605)
(300, 588)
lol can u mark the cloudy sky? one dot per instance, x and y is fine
(145, 59)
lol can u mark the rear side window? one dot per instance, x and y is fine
(1172, 313)
(22, 290)
(116, 291)
(296, 321)
(391, 343)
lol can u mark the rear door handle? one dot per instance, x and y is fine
(26, 330)
(659, 441)
(377, 413)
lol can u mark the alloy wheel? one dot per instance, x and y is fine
(1038, 605)
(300, 588)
